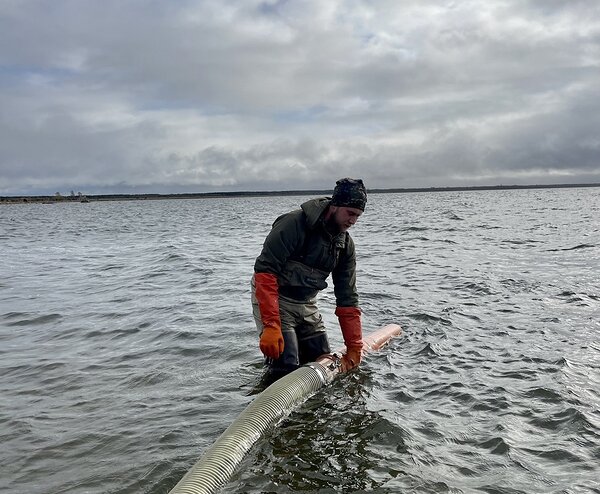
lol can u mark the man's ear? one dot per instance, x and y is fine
(330, 210)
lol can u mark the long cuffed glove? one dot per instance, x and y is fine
(351, 326)
(267, 294)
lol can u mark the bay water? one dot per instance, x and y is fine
(127, 346)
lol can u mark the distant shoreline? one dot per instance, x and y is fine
(206, 195)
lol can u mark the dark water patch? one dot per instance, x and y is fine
(576, 247)
(570, 419)
(451, 390)
(401, 397)
(492, 404)
(543, 394)
(488, 227)
(423, 317)
(572, 297)
(507, 310)
(554, 320)
(475, 288)
(519, 285)
(495, 446)
(557, 455)
(501, 490)
(429, 430)
(562, 362)
(316, 451)
(520, 375)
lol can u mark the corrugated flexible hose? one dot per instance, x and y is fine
(219, 462)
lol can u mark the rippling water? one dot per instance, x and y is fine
(127, 346)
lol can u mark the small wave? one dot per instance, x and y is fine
(521, 375)
(27, 319)
(171, 257)
(155, 274)
(550, 319)
(571, 418)
(495, 445)
(580, 246)
(122, 333)
(14, 429)
(415, 229)
(477, 288)
(402, 397)
(198, 270)
(468, 316)
(430, 318)
(517, 242)
(574, 298)
(427, 350)
(544, 394)
(489, 227)
(112, 267)
(492, 404)
(150, 379)
(519, 285)
(566, 293)
(453, 216)
(559, 455)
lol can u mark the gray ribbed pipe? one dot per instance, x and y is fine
(219, 462)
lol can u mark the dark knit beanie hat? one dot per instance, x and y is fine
(349, 192)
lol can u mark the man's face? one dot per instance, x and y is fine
(343, 217)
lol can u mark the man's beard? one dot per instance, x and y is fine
(333, 225)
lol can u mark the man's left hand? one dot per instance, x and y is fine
(351, 358)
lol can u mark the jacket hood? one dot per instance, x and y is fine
(314, 209)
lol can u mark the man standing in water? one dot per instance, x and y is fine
(303, 248)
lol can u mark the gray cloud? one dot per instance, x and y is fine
(209, 95)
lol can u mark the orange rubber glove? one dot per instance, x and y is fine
(351, 326)
(267, 295)
(271, 342)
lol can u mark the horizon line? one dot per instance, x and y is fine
(249, 193)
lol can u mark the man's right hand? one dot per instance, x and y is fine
(351, 358)
(271, 342)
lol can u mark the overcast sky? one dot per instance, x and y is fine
(106, 96)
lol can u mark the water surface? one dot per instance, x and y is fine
(127, 346)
